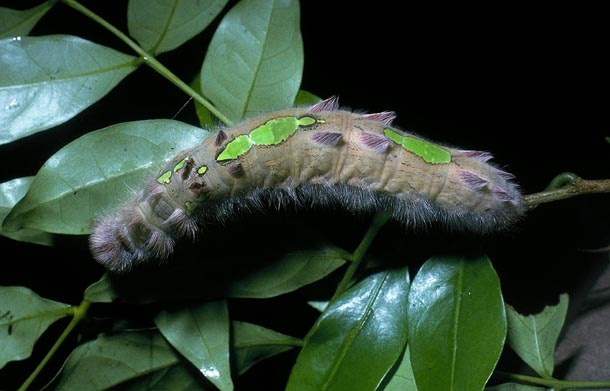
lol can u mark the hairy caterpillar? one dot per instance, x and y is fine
(308, 156)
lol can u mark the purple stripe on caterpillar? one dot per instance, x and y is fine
(329, 104)
(376, 142)
(385, 117)
(327, 138)
(481, 156)
(473, 180)
(504, 196)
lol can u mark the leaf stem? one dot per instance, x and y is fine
(567, 185)
(356, 257)
(78, 314)
(150, 60)
(555, 384)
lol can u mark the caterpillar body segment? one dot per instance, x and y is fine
(313, 156)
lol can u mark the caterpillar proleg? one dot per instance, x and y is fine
(315, 156)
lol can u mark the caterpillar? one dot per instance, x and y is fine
(313, 156)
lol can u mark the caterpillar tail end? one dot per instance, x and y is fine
(142, 231)
(124, 241)
(113, 247)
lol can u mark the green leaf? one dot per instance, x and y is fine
(16, 23)
(288, 273)
(201, 334)
(10, 193)
(207, 120)
(47, 80)
(94, 172)
(101, 291)
(457, 323)
(253, 343)
(163, 25)
(514, 387)
(608, 140)
(254, 62)
(250, 344)
(306, 98)
(318, 305)
(257, 278)
(174, 378)
(402, 379)
(111, 360)
(534, 337)
(359, 337)
(24, 316)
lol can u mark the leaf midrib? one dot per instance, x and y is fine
(133, 62)
(259, 63)
(456, 315)
(353, 333)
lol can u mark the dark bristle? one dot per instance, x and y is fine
(221, 137)
(195, 187)
(188, 167)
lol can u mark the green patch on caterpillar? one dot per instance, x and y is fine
(271, 132)
(429, 152)
(236, 148)
(180, 164)
(190, 207)
(165, 177)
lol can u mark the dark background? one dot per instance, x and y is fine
(528, 84)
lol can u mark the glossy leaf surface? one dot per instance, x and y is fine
(163, 25)
(10, 193)
(255, 60)
(93, 173)
(201, 334)
(359, 337)
(457, 324)
(47, 80)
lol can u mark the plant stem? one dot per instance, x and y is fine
(555, 384)
(77, 315)
(150, 60)
(567, 185)
(378, 221)
(561, 180)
